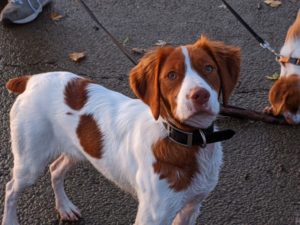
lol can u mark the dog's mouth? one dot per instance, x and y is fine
(203, 110)
(200, 120)
(197, 115)
(292, 118)
(202, 117)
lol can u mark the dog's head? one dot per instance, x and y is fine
(291, 48)
(182, 84)
(284, 97)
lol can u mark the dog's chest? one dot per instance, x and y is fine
(131, 147)
(210, 161)
(290, 49)
(140, 156)
(183, 166)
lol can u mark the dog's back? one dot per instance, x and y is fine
(284, 96)
(54, 108)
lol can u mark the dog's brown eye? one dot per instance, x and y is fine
(172, 75)
(208, 69)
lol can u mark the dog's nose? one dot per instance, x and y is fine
(199, 95)
(289, 119)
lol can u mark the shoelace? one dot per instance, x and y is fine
(17, 1)
(20, 2)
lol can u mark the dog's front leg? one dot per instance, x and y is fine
(188, 215)
(158, 210)
(10, 206)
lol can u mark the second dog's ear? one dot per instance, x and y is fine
(294, 30)
(285, 94)
(144, 78)
(277, 97)
(228, 59)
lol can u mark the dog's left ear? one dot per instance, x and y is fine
(277, 96)
(294, 30)
(144, 78)
(228, 60)
(285, 94)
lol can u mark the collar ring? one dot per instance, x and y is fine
(203, 145)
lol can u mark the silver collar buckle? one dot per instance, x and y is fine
(203, 138)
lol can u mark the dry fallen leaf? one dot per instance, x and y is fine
(258, 6)
(273, 3)
(139, 51)
(222, 6)
(274, 76)
(161, 43)
(125, 41)
(56, 16)
(77, 56)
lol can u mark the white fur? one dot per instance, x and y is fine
(41, 130)
(295, 118)
(291, 48)
(186, 110)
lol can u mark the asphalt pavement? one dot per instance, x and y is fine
(260, 179)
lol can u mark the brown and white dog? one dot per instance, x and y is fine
(284, 96)
(62, 115)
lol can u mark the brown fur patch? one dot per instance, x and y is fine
(170, 88)
(76, 94)
(18, 84)
(228, 60)
(144, 78)
(199, 59)
(177, 164)
(294, 30)
(90, 136)
(285, 95)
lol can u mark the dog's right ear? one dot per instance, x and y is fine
(278, 94)
(285, 94)
(228, 60)
(294, 30)
(144, 78)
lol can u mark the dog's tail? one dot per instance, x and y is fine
(18, 84)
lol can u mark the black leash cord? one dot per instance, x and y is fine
(240, 19)
(115, 41)
(262, 42)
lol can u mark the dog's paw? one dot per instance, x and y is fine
(268, 110)
(15, 223)
(69, 212)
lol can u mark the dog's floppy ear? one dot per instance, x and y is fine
(228, 60)
(294, 30)
(277, 96)
(285, 94)
(144, 78)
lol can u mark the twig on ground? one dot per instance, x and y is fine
(242, 113)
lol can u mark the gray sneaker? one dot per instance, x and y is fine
(22, 11)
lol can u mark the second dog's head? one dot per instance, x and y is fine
(182, 84)
(284, 95)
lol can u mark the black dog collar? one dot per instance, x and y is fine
(200, 137)
(284, 59)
